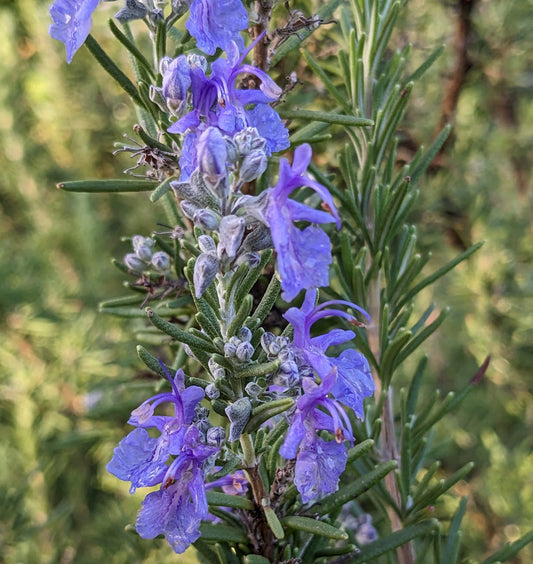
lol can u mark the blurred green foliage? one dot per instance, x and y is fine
(62, 364)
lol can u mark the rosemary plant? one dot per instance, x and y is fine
(274, 436)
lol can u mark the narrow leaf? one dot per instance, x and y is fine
(131, 47)
(270, 411)
(394, 540)
(326, 117)
(353, 490)
(451, 549)
(111, 68)
(510, 550)
(309, 525)
(222, 533)
(256, 559)
(357, 451)
(177, 333)
(257, 370)
(440, 273)
(426, 64)
(110, 186)
(225, 500)
(326, 81)
(274, 523)
(161, 190)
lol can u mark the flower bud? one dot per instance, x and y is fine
(286, 354)
(219, 373)
(157, 97)
(238, 413)
(176, 79)
(266, 340)
(258, 239)
(179, 7)
(244, 334)
(231, 148)
(206, 244)
(196, 191)
(205, 270)
(200, 412)
(161, 261)
(231, 231)
(247, 140)
(188, 351)
(215, 436)
(138, 241)
(212, 155)
(253, 390)
(132, 261)
(133, 10)
(212, 392)
(283, 341)
(253, 165)
(244, 352)
(212, 364)
(144, 253)
(195, 60)
(288, 367)
(229, 350)
(252, 259)
(188, 208)
(206, 219)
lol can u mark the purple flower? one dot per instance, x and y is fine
(142, 459)
(72, 22)
(218, 103)
(319, 463)
(353, 382)
(178, 507)
(304, 255)
(216, 23)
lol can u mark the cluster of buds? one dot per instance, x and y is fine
(144, 256)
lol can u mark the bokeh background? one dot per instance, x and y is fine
(69, 376)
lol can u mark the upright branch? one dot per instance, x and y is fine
(462, 65)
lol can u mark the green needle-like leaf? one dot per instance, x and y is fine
(510, 550)
(225, 500)
(274, 523)
(359, 450)
(327, 117)
(309, 525)
(394, 540)
(177, 333)
(353, 490)
(131, 47)
(107, 186)
(111, 68)
(222, 533)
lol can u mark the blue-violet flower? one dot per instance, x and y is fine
(178, 507)
(72, 20)
(303, 256)
(353, 381)
(216, 23)
(218, 103)
(319, 463)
